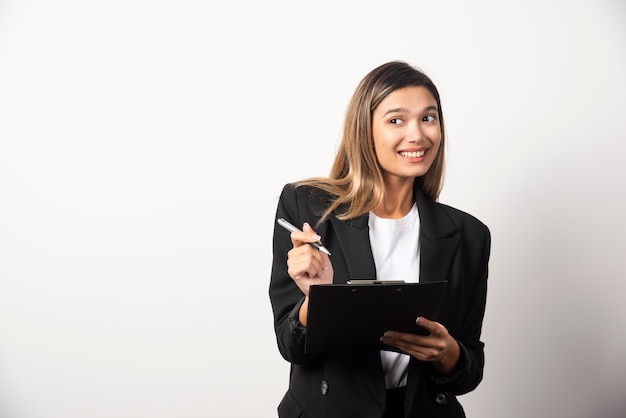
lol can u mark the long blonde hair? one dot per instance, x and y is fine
(356, 179)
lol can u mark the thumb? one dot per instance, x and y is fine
(427, 324)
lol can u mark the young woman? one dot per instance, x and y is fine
(379, 217)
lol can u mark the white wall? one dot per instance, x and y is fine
(143, 145)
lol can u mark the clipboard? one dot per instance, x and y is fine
(355, 316)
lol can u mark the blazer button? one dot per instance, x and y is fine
(441, 398)
(324, 388)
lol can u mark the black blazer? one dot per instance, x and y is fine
(454, 247)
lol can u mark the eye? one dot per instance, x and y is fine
(395, 121)
(429, 118)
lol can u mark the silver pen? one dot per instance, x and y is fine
(289, 227)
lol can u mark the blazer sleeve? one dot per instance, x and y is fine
(469, 370)
(285, 296)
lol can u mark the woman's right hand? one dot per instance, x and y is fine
(307, 265)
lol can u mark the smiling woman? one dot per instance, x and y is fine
(378, 214)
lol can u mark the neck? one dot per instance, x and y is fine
(398, 201)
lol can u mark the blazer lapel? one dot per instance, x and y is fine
(439, 240)
(353, 238)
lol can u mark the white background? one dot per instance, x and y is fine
(143, 145)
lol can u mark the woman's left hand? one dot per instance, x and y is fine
(438, 348)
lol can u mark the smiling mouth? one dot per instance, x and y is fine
(413, 154)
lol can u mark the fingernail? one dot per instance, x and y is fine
(418, 320)
(316, 237)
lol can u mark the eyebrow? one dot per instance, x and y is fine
(404, 110)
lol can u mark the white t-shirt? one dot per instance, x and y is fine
(395, 246)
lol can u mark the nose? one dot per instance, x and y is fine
(414, 132)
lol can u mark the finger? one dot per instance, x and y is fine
(300, 270)
(307, 254)
(403, 339)
(404, 343)
(305, 262)
(431, 326)
(421, 347)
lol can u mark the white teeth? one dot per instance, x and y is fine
(413, 154)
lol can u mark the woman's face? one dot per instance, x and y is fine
(406, 132)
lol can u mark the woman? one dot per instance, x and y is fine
(379, 217)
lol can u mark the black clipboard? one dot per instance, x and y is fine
(355, 316)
